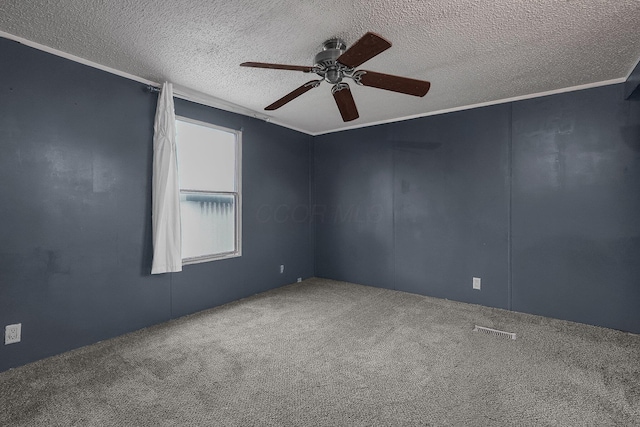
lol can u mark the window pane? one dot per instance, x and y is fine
(208, 224)
(206, 158)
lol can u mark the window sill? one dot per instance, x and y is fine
(208, 258)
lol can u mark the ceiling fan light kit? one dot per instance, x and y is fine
(335, 62)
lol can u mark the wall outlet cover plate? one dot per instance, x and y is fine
(12, 333)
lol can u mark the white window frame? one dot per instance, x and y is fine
(237, 194)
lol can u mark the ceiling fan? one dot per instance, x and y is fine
(336, 62)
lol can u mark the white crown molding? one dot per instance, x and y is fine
(483, 104)
(179, 91)
(208, 100)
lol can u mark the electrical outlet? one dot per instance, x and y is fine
(476, 283)
(299, 279)
(12, 333)
(281, 268)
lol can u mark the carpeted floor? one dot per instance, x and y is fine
(331, 353)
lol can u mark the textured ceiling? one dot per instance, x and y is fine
(472, 51)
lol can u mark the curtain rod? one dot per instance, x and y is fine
(210, 102)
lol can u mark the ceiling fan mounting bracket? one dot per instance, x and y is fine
(335, 43)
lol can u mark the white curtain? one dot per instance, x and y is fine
(165, 192)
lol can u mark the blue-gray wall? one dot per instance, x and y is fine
(75, 225)
(576, 207)
(539, 198)
(632, 86)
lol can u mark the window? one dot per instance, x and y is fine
(209, 160)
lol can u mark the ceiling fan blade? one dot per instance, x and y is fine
(277, 66)
(393, 83)
(294, 94)
(346, 104)
(363, 50)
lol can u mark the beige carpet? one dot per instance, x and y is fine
(330, 353)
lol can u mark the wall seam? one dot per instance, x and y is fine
(170, 295)
(393, 213)
(312, 207)
(509, 209)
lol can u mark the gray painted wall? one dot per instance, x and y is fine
(451, 203)
(539, 198)
(632, 85)
(354, 207)
(75, 224)
(576, 207)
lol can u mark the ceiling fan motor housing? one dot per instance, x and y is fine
(326, 60)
